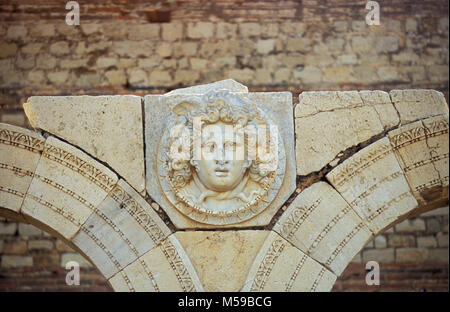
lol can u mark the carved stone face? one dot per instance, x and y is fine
(216, 177)
(220, 169)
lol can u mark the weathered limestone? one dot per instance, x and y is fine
(165, 268)
(107, 127)
(121, 229)
(374, 185)
(422, 151)
(345, 118)
(381, 101)
(228, 84)
(20, 150)
(321, 224)
(67, 187)
(413, 105)
(182, 212)
(222, 258)
(65, 191)
(279, 266)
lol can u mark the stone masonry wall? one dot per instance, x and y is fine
(140, 47)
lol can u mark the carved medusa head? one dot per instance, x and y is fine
(214, 161)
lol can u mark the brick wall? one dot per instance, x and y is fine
(139, 47)
(413, 256)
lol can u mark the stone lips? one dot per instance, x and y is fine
(202, 215)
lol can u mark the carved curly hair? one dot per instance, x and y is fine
(220, 106)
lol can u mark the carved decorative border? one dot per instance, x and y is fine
(135, 210)
(80, 166)
(267, 264)
(21, 140)
(295, 274)
(360, 161)
(178, 266)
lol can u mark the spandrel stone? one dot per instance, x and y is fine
(222, 259)
(107, 127)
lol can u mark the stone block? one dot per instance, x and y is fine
(158, 108)
(397, 240)
(226, 30)
(386, 255)
(279, 266)
(42, 30)
(165, 268)
(40, 244)
(386, 44)
(59, 48)
(410, 226)
(222, 259)
(7, 49)
(438, 255)
(337, 112)
(70, 256)
(121, 229)
(19, 155)
(414, 255)
(422, 151)
(321, 224)
(417, 104)
(13, 261)
(107, 127)
(143, 32)
(381, 101)
(265, 46)
(200, 30)
(172, 31)
(426, 241)
(15, 248)
(380, 241)
(16, 32)
(249, 29)
(67, 187)
(372, 182)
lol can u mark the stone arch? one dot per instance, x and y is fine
(62, 190)
(328, 223)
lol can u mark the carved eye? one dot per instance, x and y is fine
(210, 147)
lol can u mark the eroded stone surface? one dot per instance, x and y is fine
(222, 259)
(158, 108)
(322, 224)
(279, 266)
(415, 104)
(381, 101)
(329, 122)
(164, 268)
(107, 127)
(67, 187)
(20, 150)
(121, 229)
(227, 84)
(374, 185)
(422, 151)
